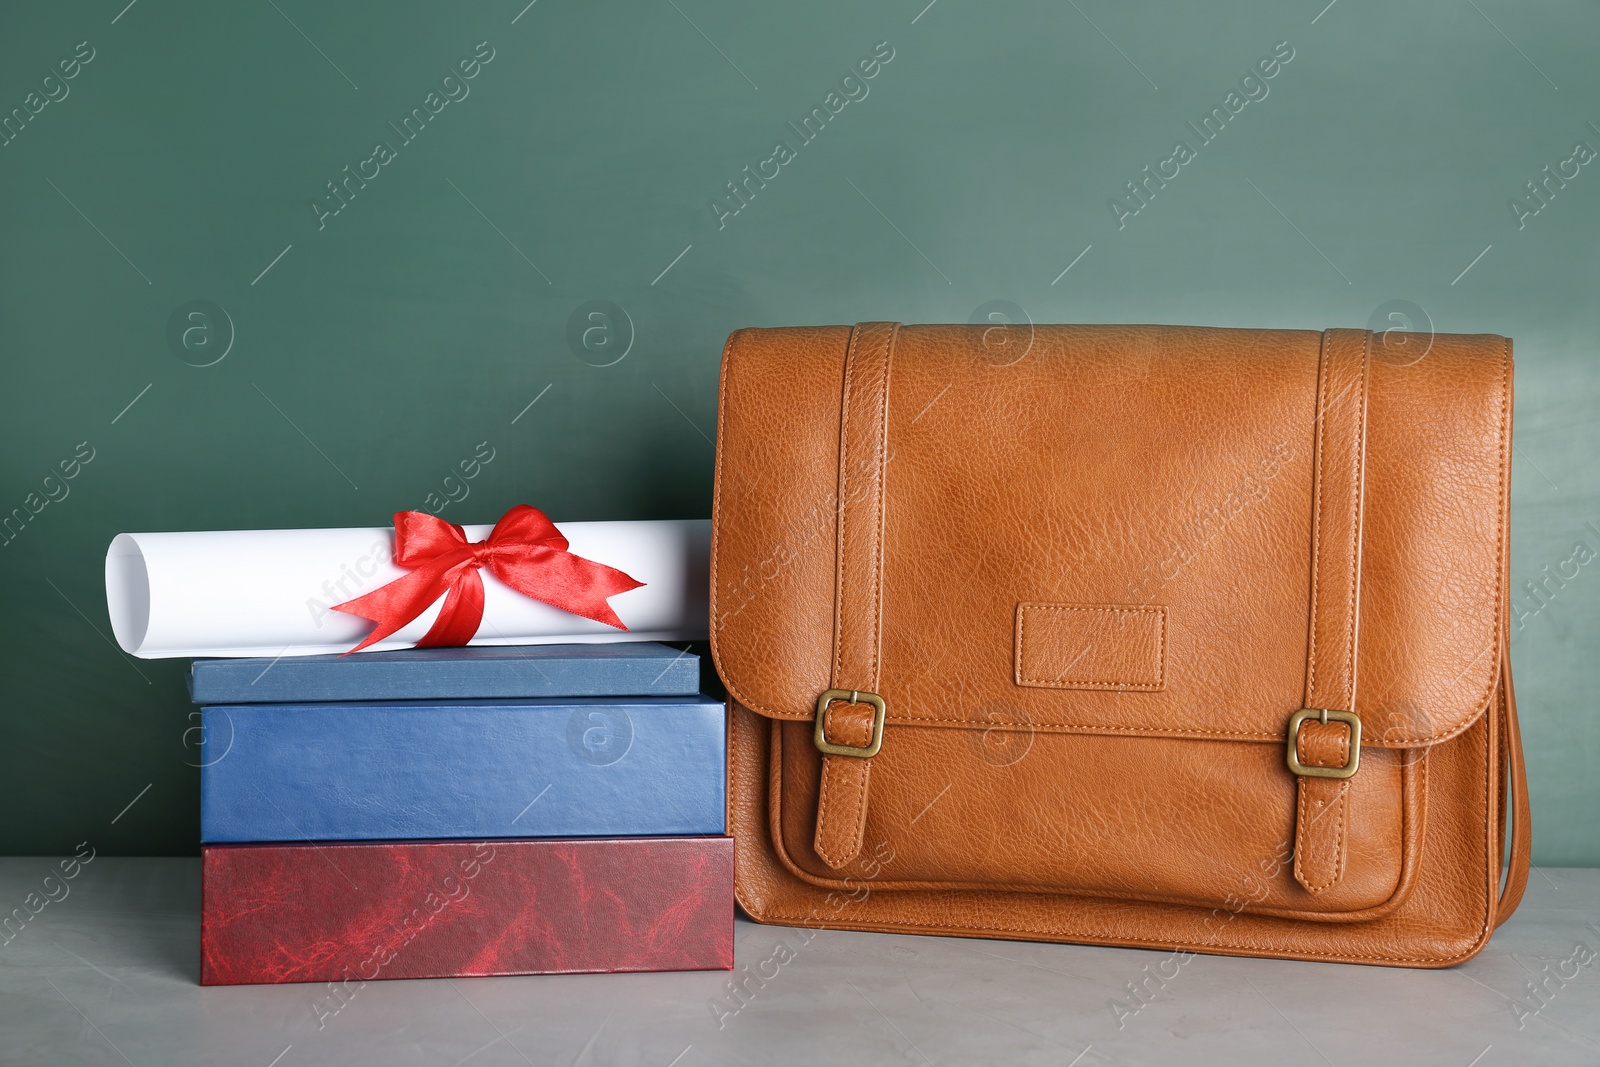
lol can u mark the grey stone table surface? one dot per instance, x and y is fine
(107, 975)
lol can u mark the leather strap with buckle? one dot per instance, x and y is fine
(1323, 791)
(852, 696)
(1352, 758)
(858, 597)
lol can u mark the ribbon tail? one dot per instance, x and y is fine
(566, 581)
(394, 605)
(462, 612)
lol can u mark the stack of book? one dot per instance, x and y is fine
(457, 812)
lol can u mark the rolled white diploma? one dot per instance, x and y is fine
(271, 592)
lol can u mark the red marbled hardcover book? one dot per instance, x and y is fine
(353, 913)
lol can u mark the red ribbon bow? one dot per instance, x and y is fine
(525, 551)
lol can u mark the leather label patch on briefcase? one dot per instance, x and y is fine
(1091, 646)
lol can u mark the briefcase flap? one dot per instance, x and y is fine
(1109, 529)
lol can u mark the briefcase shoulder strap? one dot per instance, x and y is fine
(1513, 792)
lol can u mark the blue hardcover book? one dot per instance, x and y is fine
(639, 668)
(620, 767)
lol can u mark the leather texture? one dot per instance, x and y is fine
(352, 913)
(1092, 585)
(612, 767)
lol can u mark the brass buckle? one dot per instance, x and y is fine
(1323, 715)
(852, 696)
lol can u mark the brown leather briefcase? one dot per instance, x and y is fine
(1128, 635)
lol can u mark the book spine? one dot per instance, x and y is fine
(470, 674)
(349, 914)
(422, 771)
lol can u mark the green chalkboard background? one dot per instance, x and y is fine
(372, 349)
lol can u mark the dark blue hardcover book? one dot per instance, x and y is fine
(619, 767)
(635, 668)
